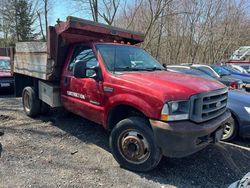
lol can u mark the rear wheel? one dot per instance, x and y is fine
(31, 103)
(230, 130)
(133, 146)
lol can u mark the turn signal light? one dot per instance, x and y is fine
(164, 117)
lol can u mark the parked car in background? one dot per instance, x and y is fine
(238, 103)
(246, 67)
(6, 79)
(188, 70)
(227, 80)
(240, 57)
(225, 73)
(235, 71)
(237, 68)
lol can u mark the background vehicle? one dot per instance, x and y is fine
(241, 54)
(224, 72)
(188, 70)
(237, 68)
(227, 80)
(233, 71)
(6, 79)
(92, 70)
(238, 103)
(246, 67)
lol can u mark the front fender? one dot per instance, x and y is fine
(151, 110)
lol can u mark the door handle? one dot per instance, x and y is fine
(66, 80)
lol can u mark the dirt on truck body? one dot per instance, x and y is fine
(97, 72)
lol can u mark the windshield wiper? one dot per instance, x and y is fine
(137, 69)
(126, 69)
(153, 69)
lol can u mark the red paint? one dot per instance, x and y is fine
(238, 62)
(145, 91)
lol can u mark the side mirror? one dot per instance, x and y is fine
(164, 65)
(81, 71)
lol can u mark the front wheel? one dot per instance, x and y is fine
(133, 145)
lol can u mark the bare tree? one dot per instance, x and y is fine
(43, 12)
(188, 31)
(105, 9)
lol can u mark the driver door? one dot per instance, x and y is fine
(83, 96)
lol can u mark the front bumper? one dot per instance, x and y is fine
(182, 138)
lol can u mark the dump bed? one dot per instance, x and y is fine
(45, 60)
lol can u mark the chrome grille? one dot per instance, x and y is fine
(206, 106)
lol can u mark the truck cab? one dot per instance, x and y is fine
(99, 73)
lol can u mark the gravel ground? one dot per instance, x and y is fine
(67, 151)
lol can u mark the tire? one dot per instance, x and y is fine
(230, 130)
(31, 103)
(44, 108)
(133, 146)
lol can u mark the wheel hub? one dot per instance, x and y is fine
(26, 101)
(134, 147)
(227, 130)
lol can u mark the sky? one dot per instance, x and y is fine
(63, 8)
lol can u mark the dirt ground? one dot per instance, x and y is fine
(62, 150)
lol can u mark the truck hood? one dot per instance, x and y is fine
(5, 73)
(169, 85)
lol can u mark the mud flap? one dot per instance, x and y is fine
(218, 135)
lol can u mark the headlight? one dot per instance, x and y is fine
(176, 110)
(247, 109)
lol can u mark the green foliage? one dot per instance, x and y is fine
(17, 21)
(24, 20)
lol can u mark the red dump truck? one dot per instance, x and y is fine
(99, 73)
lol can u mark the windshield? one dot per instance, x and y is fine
(220, 70)
(4, 64)
(127, 58)
(192, 72)
(237, 69)
(207, 71)
(245, 66)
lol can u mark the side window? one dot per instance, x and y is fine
(83, 53)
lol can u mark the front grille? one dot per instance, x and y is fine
(209, 105)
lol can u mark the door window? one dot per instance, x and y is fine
(85, 54)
